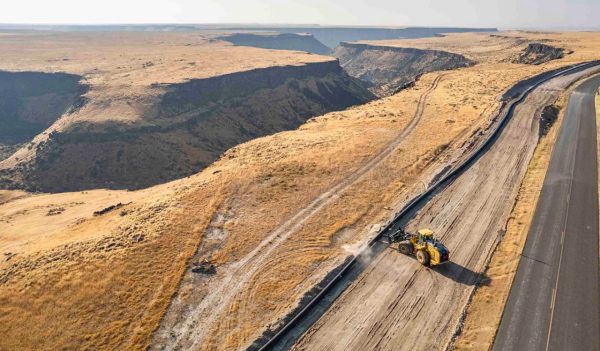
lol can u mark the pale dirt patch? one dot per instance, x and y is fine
(44, 217)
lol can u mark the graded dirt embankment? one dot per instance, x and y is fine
(155, 117)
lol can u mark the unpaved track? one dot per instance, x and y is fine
(188, 331)
(399, 305)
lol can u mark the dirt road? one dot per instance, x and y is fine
(398, 304)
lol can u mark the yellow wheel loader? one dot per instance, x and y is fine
(428, 250)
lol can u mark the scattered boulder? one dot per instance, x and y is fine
(547, 119)
(108, 209)
(204, 267)
(55, 211)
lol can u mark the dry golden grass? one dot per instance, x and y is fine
(98, 296)
(480, 47)
(116, 59)
(104, 281)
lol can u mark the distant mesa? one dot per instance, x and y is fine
(284, 41)
(329, 36)
(333, 36)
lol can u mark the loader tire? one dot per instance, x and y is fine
(423, 257)
(405, 247)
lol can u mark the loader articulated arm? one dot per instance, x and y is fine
(398, 235)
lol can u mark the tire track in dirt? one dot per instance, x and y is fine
(188, 334)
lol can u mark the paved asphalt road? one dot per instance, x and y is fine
(554, 300)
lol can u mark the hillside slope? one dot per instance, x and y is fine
(130, 133)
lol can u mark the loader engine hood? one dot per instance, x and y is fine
(443, 250)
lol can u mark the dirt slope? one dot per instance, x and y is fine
(484, 311)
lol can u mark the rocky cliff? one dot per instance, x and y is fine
(334, 36)
(184, 129)
(538, 53)
(388, 69)
(31, 101)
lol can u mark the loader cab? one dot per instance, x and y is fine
(424, 235)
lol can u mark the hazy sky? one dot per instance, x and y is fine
(496, 13)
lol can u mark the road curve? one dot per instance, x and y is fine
(554, 299)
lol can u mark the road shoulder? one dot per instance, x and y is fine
(598, 141)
